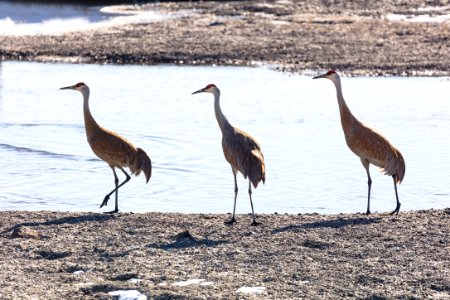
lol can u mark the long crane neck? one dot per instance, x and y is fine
(346, 115)
(89, 122)
(221, 119)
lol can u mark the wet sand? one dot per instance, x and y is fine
(290, 256)
(353, 37)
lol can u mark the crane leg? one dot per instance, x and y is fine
(233, 219)
(366, 165)
(397, 209)
(116, 181)
(254, 223)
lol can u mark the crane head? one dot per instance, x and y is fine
(78, 87)
(210, 88)
(331, 74)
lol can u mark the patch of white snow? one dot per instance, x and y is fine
(128, 295)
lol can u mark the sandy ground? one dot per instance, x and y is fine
(354, 37)
(288, 257)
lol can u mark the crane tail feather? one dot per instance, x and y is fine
(258, 168)
(400, 170)
(143, 164)
(395, 166)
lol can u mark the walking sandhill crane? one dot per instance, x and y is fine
(115, 150)
(241, 151)
(370, 146)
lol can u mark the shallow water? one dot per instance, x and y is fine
(23, 18)
(46, 162)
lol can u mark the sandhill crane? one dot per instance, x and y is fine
(370, 146)
(241, 151)
(115, 150)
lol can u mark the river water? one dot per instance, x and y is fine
(25, 18)
(46, 162)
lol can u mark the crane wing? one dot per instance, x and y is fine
(112, 148)
(244, 155)
(372, 146)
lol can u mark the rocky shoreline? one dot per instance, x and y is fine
(354, 37)
(61, 255)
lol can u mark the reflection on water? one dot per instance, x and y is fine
(25, 12)
(46, 161)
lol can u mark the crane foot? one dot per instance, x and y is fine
(396, 211)
(112, 212)
(254, 223)
(105, 201)
(231, 222)
(368, 212)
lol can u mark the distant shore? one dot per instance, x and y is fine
(61, 255)
(356, 38)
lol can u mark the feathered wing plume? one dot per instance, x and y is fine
(395, 165)
(142, 163)
(258, 169)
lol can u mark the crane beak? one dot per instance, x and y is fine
(67, 88)
(320, 76)
(199, 91)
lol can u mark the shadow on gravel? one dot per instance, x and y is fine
(65, 220)
(312, 244)
(186, 240)
(99, 288)
(187, 244)
(337, 223)
(52, 255)
(170, 297)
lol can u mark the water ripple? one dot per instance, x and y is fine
(36, 151)
(41, 125)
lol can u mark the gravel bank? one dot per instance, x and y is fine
(288, 256)
(355, 37)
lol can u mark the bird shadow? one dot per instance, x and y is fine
(187, 244)
(186, 240)
(64, 220)
(336, 223)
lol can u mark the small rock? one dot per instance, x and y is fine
(184, 235)
(25, 233)
(78, 272)
(216, 23)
